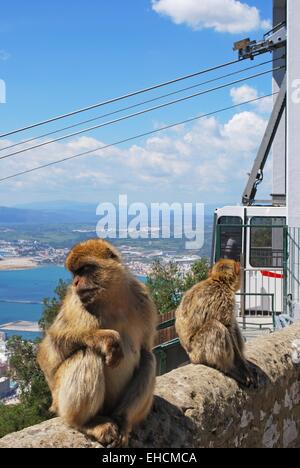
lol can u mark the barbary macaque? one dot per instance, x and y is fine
(97, 355)
(207, 326)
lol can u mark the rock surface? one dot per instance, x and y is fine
(196, 406)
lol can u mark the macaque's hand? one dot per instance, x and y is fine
(112, 349)
(108, 344)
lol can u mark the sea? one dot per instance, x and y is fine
(22, 293)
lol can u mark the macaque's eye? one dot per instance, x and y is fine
(85, 270)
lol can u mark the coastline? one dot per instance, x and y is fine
(17, 263)
(22, 295)
(21, 326)
(27, 263)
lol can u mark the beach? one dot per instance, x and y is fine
(21, 326)
(17, 263)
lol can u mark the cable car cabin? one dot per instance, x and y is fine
(257, 237)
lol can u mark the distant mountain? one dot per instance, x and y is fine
(63, 212)
(34, 216)
(59, 205)
(65, 205)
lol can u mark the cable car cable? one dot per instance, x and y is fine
(129, 116)
(133, 138)
(138, 104)
(116, 99)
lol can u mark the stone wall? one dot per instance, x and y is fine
(196, 406)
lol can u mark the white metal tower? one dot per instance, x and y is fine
(293, 113)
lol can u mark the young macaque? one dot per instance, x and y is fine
(207, 326)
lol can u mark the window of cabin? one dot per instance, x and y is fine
(230, 238)
(266, 242)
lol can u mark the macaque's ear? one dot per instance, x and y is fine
(237, 268)
(210, 271)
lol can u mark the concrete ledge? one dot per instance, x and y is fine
(196, 406)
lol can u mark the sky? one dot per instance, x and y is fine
(57, 56)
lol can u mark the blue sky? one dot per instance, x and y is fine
(60, 55)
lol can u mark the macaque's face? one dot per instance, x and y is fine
(87, 283)
(96, 267)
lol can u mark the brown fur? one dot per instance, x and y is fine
(97, 356)
(207, 326)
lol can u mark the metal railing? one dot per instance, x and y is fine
(273, 258)
(264, 292)
(266, 257)
(293, 269)
(259, 312)
(169, 355)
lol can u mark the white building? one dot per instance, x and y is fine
(4, 387)
(286, 167)
(3, 336)
(3, 355)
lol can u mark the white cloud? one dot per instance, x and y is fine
(243, 132)
(230, 16)
(4, 55)
(265, 105)
(243, 93)
(248, 93)
(206, 161)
